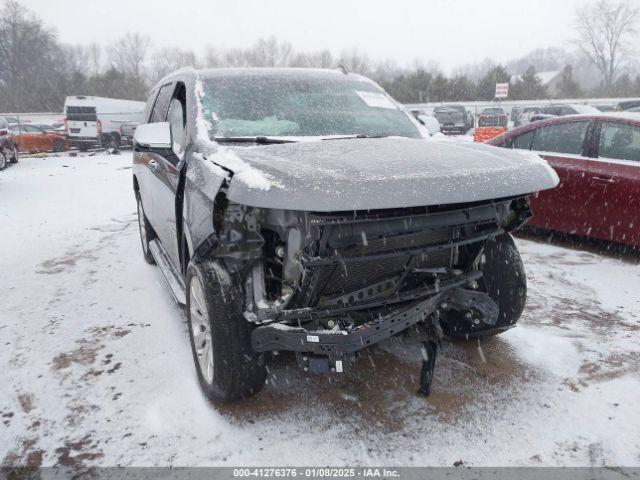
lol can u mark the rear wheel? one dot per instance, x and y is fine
(227, 366)
(505, 281)
(146, 232)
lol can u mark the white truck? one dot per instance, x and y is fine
(97, 121)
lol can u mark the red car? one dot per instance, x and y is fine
(597, 158)
(493, 117)
(8, 149)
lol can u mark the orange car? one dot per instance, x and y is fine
(30, 138)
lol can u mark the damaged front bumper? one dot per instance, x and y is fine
(327, 285)
(321, 351)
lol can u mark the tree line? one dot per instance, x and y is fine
(38, 71)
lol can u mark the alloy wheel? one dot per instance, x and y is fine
(201, 329)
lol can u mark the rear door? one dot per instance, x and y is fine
(564, 145)
(615, 181)
(82, 121)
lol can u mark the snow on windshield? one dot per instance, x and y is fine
(223, 156)
(301, 106)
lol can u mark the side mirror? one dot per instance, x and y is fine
(153, 136)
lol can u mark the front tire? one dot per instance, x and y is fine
(14, 158)
(3, 160)
(227, 366)
(58, 145)
(505, 281)
(146, 232)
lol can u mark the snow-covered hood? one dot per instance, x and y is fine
(360, 174)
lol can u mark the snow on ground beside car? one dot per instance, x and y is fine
(97, 367)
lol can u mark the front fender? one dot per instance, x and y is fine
(203, 182)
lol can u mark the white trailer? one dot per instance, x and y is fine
(97, 121)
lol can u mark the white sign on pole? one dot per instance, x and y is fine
(502, 90)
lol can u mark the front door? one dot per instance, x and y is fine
(167, 175)
(564, 146)
(147, 163)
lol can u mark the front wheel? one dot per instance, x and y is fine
(58, 145)
(3, 160)
(505, 281)
(14, 158)
(227, 366)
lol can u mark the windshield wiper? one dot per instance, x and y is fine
(357, 135)
(259, 140)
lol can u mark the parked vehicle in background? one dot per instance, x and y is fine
(96, 121)
(493, 117)
(453, 119)
(605, 108)
(8, 148)
(633, 110)
(10, 120)
(550, 111)
(33, 139)
(597, 158)
(322, 230)
(127, 130)
(627, 104)
(524, 116)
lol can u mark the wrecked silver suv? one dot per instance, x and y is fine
(306, 211)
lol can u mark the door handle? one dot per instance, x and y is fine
(603, 179)
(153, 164)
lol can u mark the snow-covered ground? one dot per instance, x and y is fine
(96, 369)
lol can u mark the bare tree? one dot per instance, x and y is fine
(128, 53)
(168, 59)
(94, 58)
(31, 61)
(606, 30)
(354, 61)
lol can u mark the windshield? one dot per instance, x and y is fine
(250, 105)
(492, 111)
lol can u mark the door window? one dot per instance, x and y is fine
(158, 114)
(561, 138)
(620, 141)
(177, 119)
(523, 141)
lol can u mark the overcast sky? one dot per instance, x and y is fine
(449, 32)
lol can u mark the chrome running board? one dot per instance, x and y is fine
(174, 281)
